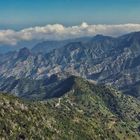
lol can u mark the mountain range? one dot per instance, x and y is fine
(100, 59)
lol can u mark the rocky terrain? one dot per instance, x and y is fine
(103, 59)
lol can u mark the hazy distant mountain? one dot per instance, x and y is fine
(22, 44)
(107, 60)
(5, 49)
(47, 46)
(39, 46)
(83, 111)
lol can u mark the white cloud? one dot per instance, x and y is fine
(59, 32)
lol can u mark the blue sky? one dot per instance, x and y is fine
(24, 13)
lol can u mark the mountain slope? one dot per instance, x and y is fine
(31, 89)
(85, 111)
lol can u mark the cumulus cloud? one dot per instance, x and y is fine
(60, 32)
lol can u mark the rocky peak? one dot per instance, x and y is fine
(23, 53)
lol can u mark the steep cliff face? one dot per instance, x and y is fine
(107, 60)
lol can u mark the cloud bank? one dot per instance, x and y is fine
(60, 32)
